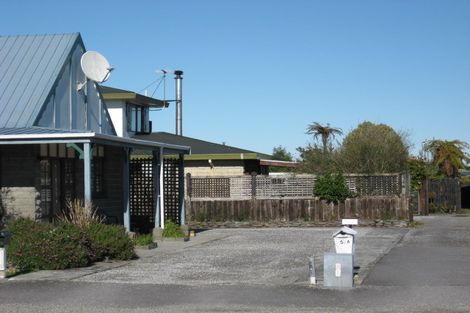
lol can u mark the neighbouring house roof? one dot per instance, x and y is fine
(110, 93)
(205, 150)
(201, 149)
(29, 68)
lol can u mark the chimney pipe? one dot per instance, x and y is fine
(179, 102)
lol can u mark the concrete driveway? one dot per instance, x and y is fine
(275, 257)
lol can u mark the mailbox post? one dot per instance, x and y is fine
(339, 266)
(4, 240)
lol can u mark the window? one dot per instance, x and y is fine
(97, 172)
(138, 119)
(97, 177)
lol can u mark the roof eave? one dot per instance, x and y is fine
(91, 137)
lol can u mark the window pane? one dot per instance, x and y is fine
(139, 120)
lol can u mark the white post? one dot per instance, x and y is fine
(181, 189)
(126, 193)
(156, 186)
(162, 191)
(87, 172)
(3, 262)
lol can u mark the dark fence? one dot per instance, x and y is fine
(439, 196)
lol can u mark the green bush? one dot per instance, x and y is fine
(109, 241)
(172, 230)
(332, 188)
(143, 240)
(37, 246)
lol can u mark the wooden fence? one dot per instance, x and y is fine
(283, 200)
(288, 186)
(439, 196)
(288, 212)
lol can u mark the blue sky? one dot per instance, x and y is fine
(257, 72)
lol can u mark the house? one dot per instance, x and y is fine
(58, 141)
(130, 111)
(213, 159)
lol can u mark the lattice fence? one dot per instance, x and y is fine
(376, 185)
(290, 186)
(171, 190)
(141, 195)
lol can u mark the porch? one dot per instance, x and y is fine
(40, 173)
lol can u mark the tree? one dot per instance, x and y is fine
(324, 132)
(372, 148)
(280, 153)
(448, 156)
(314, 160)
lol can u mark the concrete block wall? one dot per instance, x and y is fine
(19, 172)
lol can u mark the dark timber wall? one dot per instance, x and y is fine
(286, 212)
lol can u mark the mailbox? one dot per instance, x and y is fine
(344, 240)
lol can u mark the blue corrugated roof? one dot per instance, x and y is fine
(36, 131)
(29, 67)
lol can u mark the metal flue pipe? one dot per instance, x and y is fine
(179, 102)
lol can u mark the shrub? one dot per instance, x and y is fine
(80, 214)
(109, 241)
(332, 188)
(37, 246)
(172, 230)
(143, 240)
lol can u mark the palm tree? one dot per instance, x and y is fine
(325, 132)
(448, 156)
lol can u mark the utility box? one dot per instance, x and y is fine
(338, 270)
(344, 240)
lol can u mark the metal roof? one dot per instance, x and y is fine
(38, 135)
(200, 146)
(35, 130)
(29, 67)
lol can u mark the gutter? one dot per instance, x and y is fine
(88, 137)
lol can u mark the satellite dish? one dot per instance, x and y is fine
(95, 66)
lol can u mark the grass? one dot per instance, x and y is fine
(143, 240)
(172, 230)
(464, 211)
(413, 224)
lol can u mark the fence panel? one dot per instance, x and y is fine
(290, 186)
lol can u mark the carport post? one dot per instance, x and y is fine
(125, 188)
(156, 185)
(181, 189)
(162, 191)
(87, 172)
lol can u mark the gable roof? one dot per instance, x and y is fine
(29, 68)
(201, 147)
